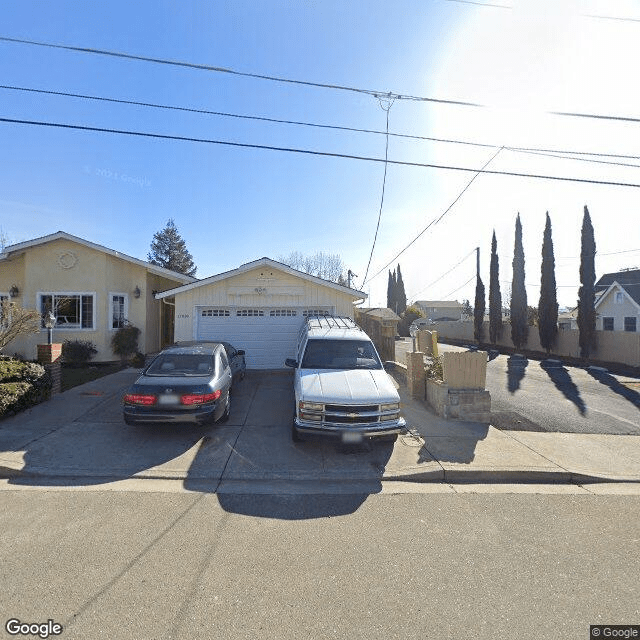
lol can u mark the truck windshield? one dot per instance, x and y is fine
(340, 354)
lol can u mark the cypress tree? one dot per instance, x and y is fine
(548, 305)
(401, 297)
(478, 310)
(390, 291)
(495, 298)
(169, 250)
(586, 293)
(519, 316)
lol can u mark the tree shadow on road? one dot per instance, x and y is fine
(561, 378)
(608, 380)
(516, 370)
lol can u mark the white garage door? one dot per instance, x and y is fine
(267, 334)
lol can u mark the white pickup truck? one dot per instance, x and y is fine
(341, 387)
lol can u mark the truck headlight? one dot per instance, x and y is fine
(310, 406)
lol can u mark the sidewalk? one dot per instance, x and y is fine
(79, 436)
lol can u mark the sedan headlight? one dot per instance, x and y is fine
(392, 406)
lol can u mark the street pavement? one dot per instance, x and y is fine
(78, 439)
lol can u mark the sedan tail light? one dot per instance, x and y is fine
(138, 398)
(200, 398)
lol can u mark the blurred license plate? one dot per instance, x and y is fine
(351, 437)
(168, 399)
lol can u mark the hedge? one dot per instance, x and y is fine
(22, 385)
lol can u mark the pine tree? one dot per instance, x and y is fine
(169, 250)
(586, 293)
(548, 305)
(401, 296)
(478, 310)
(495, 298)
(519, 314)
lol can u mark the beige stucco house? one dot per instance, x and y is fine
(258, 307)
(92, 290)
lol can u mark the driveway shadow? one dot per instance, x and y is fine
(563, 382)
(516, 370)
(608, 380)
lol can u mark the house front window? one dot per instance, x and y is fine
(619, 297)
(607, 324)
(118, 310)
(72, 310)
(630, 324)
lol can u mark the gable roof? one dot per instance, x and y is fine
(439, 303)
(62, 235)
(262, 262)
(628, 280)
(383, 313)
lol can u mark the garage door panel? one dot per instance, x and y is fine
(267, 335)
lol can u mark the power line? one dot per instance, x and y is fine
(564, 157)
(571, 114)
(258, 76)
(435, 221)
(226, 114)
(462, 286)
(446, 273)
(212, 68)
(245, 145)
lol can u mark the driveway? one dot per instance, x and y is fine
(80, 438)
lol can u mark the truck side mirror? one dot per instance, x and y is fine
(290, 362)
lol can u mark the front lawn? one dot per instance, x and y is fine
(73, 376)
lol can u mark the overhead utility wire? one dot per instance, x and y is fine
(259, 76)
(312, 152)
(387, 108)
(204, 67)
(571, 114)
(225, 114)
(446, 273)
(461, 286)
(435, 221)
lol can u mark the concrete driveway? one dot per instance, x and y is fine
(80, 438)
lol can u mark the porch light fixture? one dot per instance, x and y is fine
(49, 323)
(137, 292)
(14, 291)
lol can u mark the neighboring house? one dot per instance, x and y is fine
(441, 310)
(618, 301)
(91, 289)
(258, 307)
(568, 319)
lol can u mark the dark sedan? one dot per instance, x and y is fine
(187, 383)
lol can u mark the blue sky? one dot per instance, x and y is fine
(234, 205)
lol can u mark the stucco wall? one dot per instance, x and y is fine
(260, 287)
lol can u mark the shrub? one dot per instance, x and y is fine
(78, 352)
(406, 318)
(125, 341)
(434, 370)
(138, 360)
(22, 384)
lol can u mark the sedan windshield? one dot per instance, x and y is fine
(340, 354)
(181, 364)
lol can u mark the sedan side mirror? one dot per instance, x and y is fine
(290, 362)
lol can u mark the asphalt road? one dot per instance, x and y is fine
(531, 395)
(137, 565)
